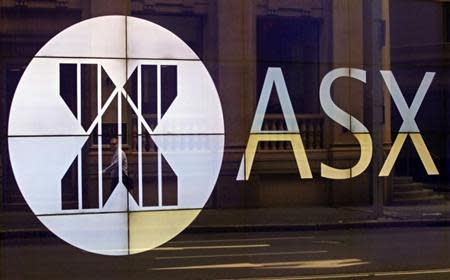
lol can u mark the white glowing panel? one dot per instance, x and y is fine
(94, 38)
(38, 108)
(105, 233)
(195, 109)
(46, 137)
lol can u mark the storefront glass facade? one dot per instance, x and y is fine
(232, 116)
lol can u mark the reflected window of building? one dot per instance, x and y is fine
(291, 43)
(447, 21)
(188, 27)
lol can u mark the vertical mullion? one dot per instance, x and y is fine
(79, 92)
(79, 157)
(158, 92)
(99, 137)
(139, 124)
(158, 118)
(119, 134)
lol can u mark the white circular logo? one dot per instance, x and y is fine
(48, 134)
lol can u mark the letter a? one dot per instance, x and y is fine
(275, 77)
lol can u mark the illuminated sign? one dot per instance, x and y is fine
(274, 77)
(46, 136)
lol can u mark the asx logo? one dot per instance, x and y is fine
(274, 77)
(119, 212)
(49, 132)
(148, 87)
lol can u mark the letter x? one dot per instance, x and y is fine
(409, 125)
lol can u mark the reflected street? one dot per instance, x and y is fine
(402, 253)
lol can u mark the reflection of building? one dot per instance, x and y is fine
(423, 47)
(238, 40)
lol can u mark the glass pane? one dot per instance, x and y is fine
(224, 139)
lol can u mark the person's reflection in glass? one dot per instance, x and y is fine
(112, 168)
